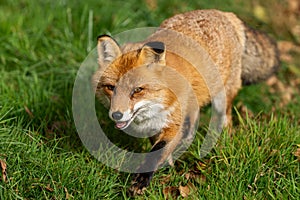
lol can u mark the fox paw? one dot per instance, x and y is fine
(139, 183)
(136, 190)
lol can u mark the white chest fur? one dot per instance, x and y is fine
(151, 118)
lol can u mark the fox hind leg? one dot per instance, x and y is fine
(222, 109)
(219, 113)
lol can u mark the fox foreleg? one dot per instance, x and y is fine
(160, 153)
(152, 161)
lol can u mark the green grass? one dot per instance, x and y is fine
(42, 46)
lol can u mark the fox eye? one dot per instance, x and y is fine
(109, 87)
(137, 90)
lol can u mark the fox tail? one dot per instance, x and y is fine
(260, 58)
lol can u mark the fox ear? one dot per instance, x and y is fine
(108, 49)
(153, 52)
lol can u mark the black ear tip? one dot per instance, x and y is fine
(158, 47)
(102, 36)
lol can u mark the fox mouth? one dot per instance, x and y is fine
(124, 124)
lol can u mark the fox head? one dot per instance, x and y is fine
(134, 83)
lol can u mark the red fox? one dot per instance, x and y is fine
(150, 88)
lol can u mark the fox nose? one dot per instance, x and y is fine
(117, 115)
